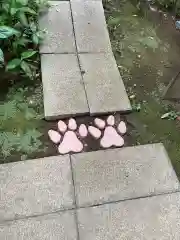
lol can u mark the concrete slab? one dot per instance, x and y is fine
(63, 89)
(90, 26)
(59, 226)
(57, 22)
(102, 79)
(35, 187)
(149, 218)
(119, 174)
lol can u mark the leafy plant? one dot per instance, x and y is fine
(19, 34)
(23, 63)
(20, 126)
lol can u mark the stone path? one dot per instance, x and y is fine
(129, 193)
(79, 72)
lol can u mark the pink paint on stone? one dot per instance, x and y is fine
(99, 123)
(111, 120)
(54, 136)
(122, 127)
(95, 132)
(111, 138)
(72, 125)
(83, 132)
(62, 126)
(70, 143)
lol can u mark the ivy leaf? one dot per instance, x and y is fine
(1, 56)
(28, 54)
(6, 32)
(13, 64)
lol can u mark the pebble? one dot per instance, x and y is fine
(111, 138)
(99, 123)
(62, 126)
(95, 132)
(72, 125)
(70, 143)
(54, 136)
(83, 132)
(122, 127)
(111, 120)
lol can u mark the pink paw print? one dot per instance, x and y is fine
(68, 137)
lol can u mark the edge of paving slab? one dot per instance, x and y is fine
(36, 187)
(84, 189)
(147, 218)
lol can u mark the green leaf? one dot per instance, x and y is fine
(6, 32)
(23, 19)
(28, 54)
(13, 11)
(23, 2)
(20, 42)
(1, 56)
(13, 64)
(26, 68)
(28, 10)
(33, 26)
(114, 21)
(35, 39)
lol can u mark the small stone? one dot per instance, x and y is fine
(95, 132)
(62, 126)
(122, 127)
(70, 143)
(111, 138)
(72, 125)
(99, 123)
(111, 120)
(54, 136)
(83, 132)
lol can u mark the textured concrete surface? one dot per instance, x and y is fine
(147, 219)
(90, 26)
(35, 187)
(119, 174)
(57, 22)
(102, 79)
(60, 226)
(63, 89)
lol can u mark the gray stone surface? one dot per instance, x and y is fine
(147, 219)
(90, 26)
(59, 37)
(59, 226)
(35, 187)
(119, 174)
(63, 89)
(102, 79)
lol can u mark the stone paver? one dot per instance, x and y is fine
(35, 187)
(102, 79)
(90, 26)
(119, 174)
(63, 88)
(59, 226)
(147, 219)
(57, 22)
